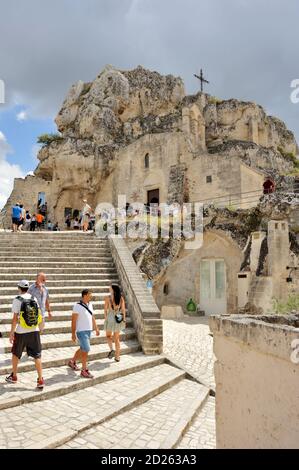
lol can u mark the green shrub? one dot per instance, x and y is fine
(47, 139)
(215, 100)
(284, 307)
(289, 156)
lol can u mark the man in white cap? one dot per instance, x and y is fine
(24, 333)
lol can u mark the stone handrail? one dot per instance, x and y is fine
(144, 312)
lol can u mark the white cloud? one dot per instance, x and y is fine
(8, 171)
(22, 116)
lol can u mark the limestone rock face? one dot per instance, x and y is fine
(233, 120)
(101, 110)
(108, 127)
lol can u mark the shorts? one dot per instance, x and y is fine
(84, 340)
(39, 224)
(30, 341)
(15, 221)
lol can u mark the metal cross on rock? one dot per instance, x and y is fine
(202, 79)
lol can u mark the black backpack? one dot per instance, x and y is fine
(30, 315)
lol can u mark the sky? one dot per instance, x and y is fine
(248, 50)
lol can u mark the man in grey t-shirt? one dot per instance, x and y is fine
(41, 293)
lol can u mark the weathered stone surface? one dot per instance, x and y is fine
(108, 126)
(256, 374)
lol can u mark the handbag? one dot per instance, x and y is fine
(119, 317)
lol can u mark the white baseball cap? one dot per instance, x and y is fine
(23, 284)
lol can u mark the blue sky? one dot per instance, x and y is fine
(21, 133)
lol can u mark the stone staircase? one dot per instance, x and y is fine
(142, 402)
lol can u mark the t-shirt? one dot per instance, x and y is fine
(16, 212)
(41, 294)
(39, 218)
(84, 320)
(16, 307)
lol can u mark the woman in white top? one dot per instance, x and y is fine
(86, 213)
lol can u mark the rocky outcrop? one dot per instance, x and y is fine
(101, 121)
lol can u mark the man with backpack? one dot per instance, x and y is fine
(25, 333)
(83, 322)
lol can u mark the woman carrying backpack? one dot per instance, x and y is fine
(115, 320)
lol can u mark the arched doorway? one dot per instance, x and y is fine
(269, 186)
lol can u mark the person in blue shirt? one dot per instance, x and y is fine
(16, 215)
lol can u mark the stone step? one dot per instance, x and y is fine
(75, 259)
(55, 306)
(50, 235)
(59, 263)
(63, 380)
(61, 356)
(74, 289)
(67, 284)
(32, 251)
(6, 271)
(63, 340)
(54, 327)
(57, 316)
(64, 417)
(62, 277)
(202, 432)
(158, 423)
(69, 295)
(52, 246)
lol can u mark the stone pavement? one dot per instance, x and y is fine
(202, 433)
(190, 345)
(148, 426)
(148, 401)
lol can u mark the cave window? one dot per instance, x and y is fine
(209, 179)
(146, 161)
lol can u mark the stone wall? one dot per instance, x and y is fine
(183, 275)
(26, 192)
(257, 400)
(142, 308)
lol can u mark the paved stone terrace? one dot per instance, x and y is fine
(188, 343)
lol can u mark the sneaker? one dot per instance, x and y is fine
(40, 383)
(73, 365)
(111, 354)
(11, 379)
(86, 374)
